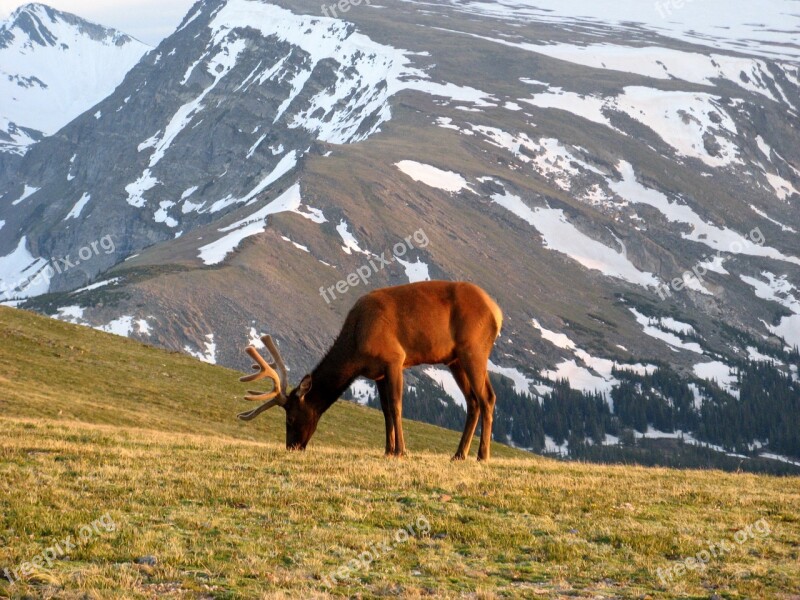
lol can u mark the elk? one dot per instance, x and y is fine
(387, 331)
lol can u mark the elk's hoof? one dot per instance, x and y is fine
(395, 454)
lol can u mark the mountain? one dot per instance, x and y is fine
(626, 189)
(53, 67)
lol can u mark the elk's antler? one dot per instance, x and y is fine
(276, 397)
(252, 414)
(273, 350)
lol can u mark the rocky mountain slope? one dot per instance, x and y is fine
(53, 67)
(627, 191)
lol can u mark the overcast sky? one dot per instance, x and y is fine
(148, 20)
(775, 20)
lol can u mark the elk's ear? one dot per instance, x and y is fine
(304, 386)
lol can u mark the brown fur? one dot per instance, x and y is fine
(388, 330)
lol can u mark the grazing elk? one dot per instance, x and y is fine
(388, 330)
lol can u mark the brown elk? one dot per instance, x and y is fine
(388, 330)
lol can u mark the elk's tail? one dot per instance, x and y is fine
(497, 313)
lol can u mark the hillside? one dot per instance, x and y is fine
(189, 503)
(57, 371)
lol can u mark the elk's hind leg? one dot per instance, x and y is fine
(472, 411)
(387, 415)
(478, 377)
(487, 419)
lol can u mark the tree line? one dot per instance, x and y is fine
(765, 412)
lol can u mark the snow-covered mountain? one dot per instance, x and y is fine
(627, 189)
(53, 67)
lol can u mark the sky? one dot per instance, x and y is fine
(776, 22)
(147, 20)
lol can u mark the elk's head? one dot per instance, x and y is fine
(301, 418)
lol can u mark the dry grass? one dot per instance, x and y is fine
(228, 517)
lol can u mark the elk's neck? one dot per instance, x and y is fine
(330, 379)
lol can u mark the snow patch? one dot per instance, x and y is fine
(594, 374)
(717, 238)
(79, 206)
(350, 242)
(97, 285)
(661, 329)
(295, 244)
(562, 236)
(780, 290)
(682, 119)
(21, 274)
(136, 190)
(751, 74)
(162, 214)
(724, 375)
(433, 176)
(285, 164)
(209, 352)
(522, 384)
(122, 326)
(448, 383)
(70, 314)
(290, 201)
(415, 271)
(363, 391)
(26, 193)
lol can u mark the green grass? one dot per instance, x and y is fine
(54, 370)
(94, 425)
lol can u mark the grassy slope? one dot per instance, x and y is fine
(93, 424)
(54, 370)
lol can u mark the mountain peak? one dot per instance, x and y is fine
(40, 11)
(32, 8)
(44, 25)
(46, 83)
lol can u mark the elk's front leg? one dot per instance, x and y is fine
(387, 416)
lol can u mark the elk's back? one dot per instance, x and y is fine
(428, 322)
